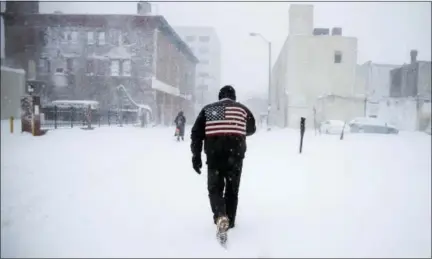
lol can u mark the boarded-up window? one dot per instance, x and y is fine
(337, 57)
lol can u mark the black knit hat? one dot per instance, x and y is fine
(227, 92)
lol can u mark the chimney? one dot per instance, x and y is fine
(413, 54)
(143, 8)
(337, 31)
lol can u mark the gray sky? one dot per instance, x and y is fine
(386, 31)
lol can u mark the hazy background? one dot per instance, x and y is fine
(386, 31)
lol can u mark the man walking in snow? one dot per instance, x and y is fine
(223, 127)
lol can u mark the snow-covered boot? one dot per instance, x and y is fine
(222, 224)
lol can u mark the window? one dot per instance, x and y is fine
(204, 61)
(337, 57)
(59, 35)
(115, 67)
(70, 36)
(65, 36)
(120, 39)
(204, 38)
(90, 37)
(102, 67)
(204, 50)
(61, 66)
(190, 38)
(70, 64)
(126, 68)
(74, 36)
(90, 66)
(126, 39)
(101, 38)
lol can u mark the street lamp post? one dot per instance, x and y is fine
(253, 34)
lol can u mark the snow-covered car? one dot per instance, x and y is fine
(333, 127)
(371, 125)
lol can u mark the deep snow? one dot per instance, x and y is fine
(131, 192)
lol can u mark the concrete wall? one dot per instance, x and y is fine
(314, 69)
(306, 69)
(337, 108)
(309, 71)
(12, 88)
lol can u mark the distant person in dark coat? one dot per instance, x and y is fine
(180, 122)
(223, 127)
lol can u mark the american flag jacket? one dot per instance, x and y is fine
(223, 127)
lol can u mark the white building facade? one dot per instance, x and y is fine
(205, 44)
(310, 66)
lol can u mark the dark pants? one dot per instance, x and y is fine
(224, 173)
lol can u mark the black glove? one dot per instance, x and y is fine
(197, 164)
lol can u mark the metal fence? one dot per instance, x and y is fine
(68, 117)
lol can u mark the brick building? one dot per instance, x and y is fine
(85, 57)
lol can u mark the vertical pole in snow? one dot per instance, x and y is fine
(302, 131)
(89, 117)
(11, 122)
(342, 133)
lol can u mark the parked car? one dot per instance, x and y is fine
(371, 125)
(333, 127)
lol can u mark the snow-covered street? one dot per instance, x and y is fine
(132, 192)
